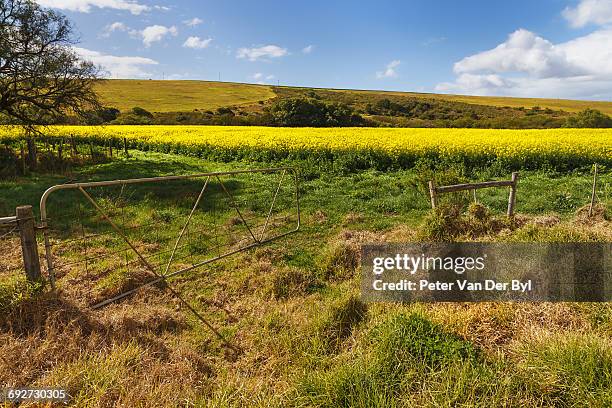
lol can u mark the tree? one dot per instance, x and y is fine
(41, 76)
(108, 113)
(312, 112)
(589, 118)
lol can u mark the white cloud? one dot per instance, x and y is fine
(118, 67)
(264, 52)
(523, 52)
(491, 83)
(261, 78)
(197, 43)
(589, 11)
(156, 33)
(308, 49)
(390, 70)
(529, 65)
(111, 28)
(85, 6)
(193, 22)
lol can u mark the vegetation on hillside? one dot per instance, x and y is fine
(589, 118)
(229, 104)
(163, 96)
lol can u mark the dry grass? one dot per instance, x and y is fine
(11, 254)
(178, 96)
(599, 215)
(147, 350)
(493, 326)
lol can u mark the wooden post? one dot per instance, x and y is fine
(593, 192)
(91, 150)
(512, 196)
(29, 247)
(125, 147)
(110, 148)
(432, 193)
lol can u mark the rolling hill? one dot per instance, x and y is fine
(184, 96)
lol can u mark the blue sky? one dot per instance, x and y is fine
(548, 48)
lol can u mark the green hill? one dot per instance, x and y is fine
(184, 96)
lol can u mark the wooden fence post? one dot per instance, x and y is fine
(432, 193)
(125, 147)
(512, 195)
(29, 247)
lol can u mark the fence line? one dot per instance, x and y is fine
(434, 190)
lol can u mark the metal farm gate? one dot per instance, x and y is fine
(117, 237)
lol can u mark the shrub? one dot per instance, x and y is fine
(589, 118)
(225, 111)
(142, 112)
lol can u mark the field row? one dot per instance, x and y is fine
(355, 148)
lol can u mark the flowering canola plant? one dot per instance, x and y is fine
(392, 146)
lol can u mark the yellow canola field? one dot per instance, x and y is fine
(520, 146)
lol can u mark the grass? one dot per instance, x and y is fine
(181, 96)
(178, 96)
(293, 306)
